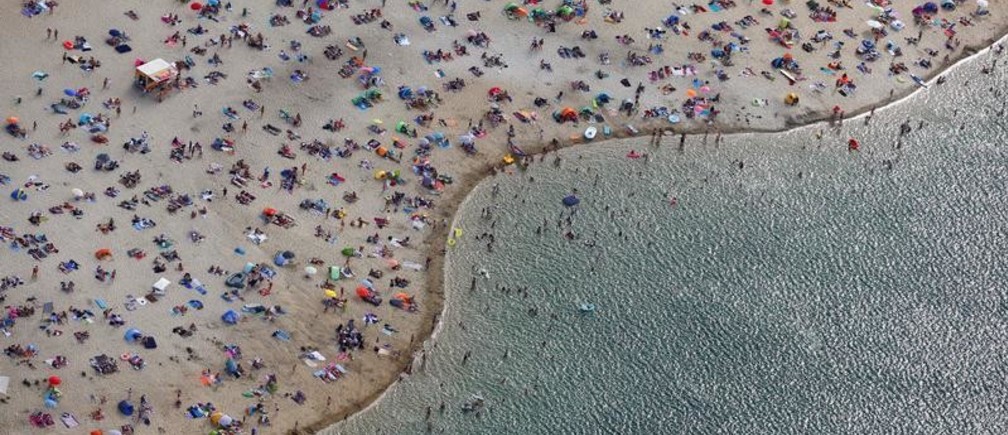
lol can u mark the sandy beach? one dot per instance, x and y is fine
(352, 155)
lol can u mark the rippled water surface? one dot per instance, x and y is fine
(811, 291)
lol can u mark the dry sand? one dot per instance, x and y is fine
(324, 96)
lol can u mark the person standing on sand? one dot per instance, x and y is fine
(35, 272)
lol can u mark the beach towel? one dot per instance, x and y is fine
(69, 420)
(101, 303)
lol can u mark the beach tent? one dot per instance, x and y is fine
(567, 114)
(161, 285)
(126, 408)
(283, 258)
(236, 280)
(19, 195)
(155, 73)
(230, 317)
(132, 335)
(513, 11)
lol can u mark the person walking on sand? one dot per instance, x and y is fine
(35, 272)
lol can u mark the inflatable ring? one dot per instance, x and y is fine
(124, 357)
(451, 242)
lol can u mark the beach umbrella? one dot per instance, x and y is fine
(330, 294)
(103, 253)
(347, 252)
(19, 195)
(874, 24)
(213, 2)
(571, 200)
(225, 421)
(54, 381)
(12, 120)
(363, 292)
(195, 6)
(982, 4)
(768, 2)
(310, 270)
(70, 92)
(215, 417)
(77, 193)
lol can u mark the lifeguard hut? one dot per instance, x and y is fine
(156, 76)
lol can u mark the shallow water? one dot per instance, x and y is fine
(811, 291)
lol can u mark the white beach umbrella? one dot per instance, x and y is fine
(310, 270)
(77, 193)
(874, 24)
(982, 4)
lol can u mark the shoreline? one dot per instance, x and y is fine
(469, 180)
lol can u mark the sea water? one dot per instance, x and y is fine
(772, 283)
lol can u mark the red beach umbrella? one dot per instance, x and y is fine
(195, 6)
